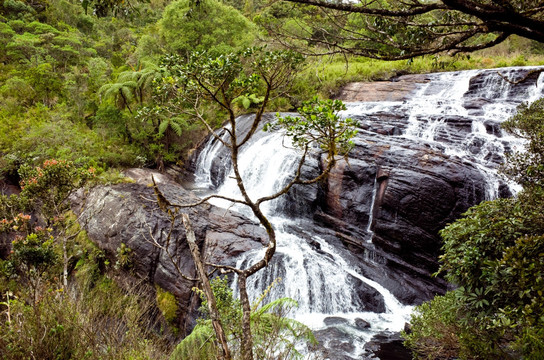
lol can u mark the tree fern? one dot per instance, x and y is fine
(121, 92)
(164, 125)
(275, 335)
(175, 124)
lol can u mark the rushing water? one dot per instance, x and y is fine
(316, 274)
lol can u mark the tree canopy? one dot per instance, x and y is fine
(403, 29)
(208, 25)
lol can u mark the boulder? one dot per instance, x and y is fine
(335, 343)
(387, 345)
(128, 214)
(362, 324)
(335, 320)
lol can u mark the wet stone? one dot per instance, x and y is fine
(361, 324)
(335, 320)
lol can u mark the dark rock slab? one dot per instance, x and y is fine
(335, 343)
(362, 324)
(335, 320)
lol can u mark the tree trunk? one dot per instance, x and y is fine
(247, 340)
(212, 305)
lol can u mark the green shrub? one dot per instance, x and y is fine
(275, 336)
(495, 255)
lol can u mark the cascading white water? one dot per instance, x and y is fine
(318, 277)
(202, 174)
(318, 280)
(444, 97)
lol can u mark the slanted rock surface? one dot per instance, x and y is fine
(127, 213)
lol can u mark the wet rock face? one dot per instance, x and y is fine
(487, 82)
(404, 193)
(387, 346)
(128, 213)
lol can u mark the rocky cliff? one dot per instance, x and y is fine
(420, 181)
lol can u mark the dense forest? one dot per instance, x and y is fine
(89, 88)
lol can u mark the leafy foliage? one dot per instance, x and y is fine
(167, 304)
(101, 321)
(37, 318)
(208, 25)
(50, 185)
(527, 167)
(229, 80)
(320, 123)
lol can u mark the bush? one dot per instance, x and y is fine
(167, 303)
(275, 336)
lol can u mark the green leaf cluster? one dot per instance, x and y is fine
(321, 124)
(167, 304)
(527, 167)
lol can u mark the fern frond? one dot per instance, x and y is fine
(285, 303)
(127, 76)
(108, 90)
(270, 323)
(198, 345)
(176, 127)
(164, 125)
(263, 295)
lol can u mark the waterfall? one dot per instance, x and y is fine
(371, 212)
(315, 275)
(203, 175)
(315, 272)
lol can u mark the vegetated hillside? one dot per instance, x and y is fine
(80, 87)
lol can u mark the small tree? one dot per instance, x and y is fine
(45, 193)
(234, 83)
